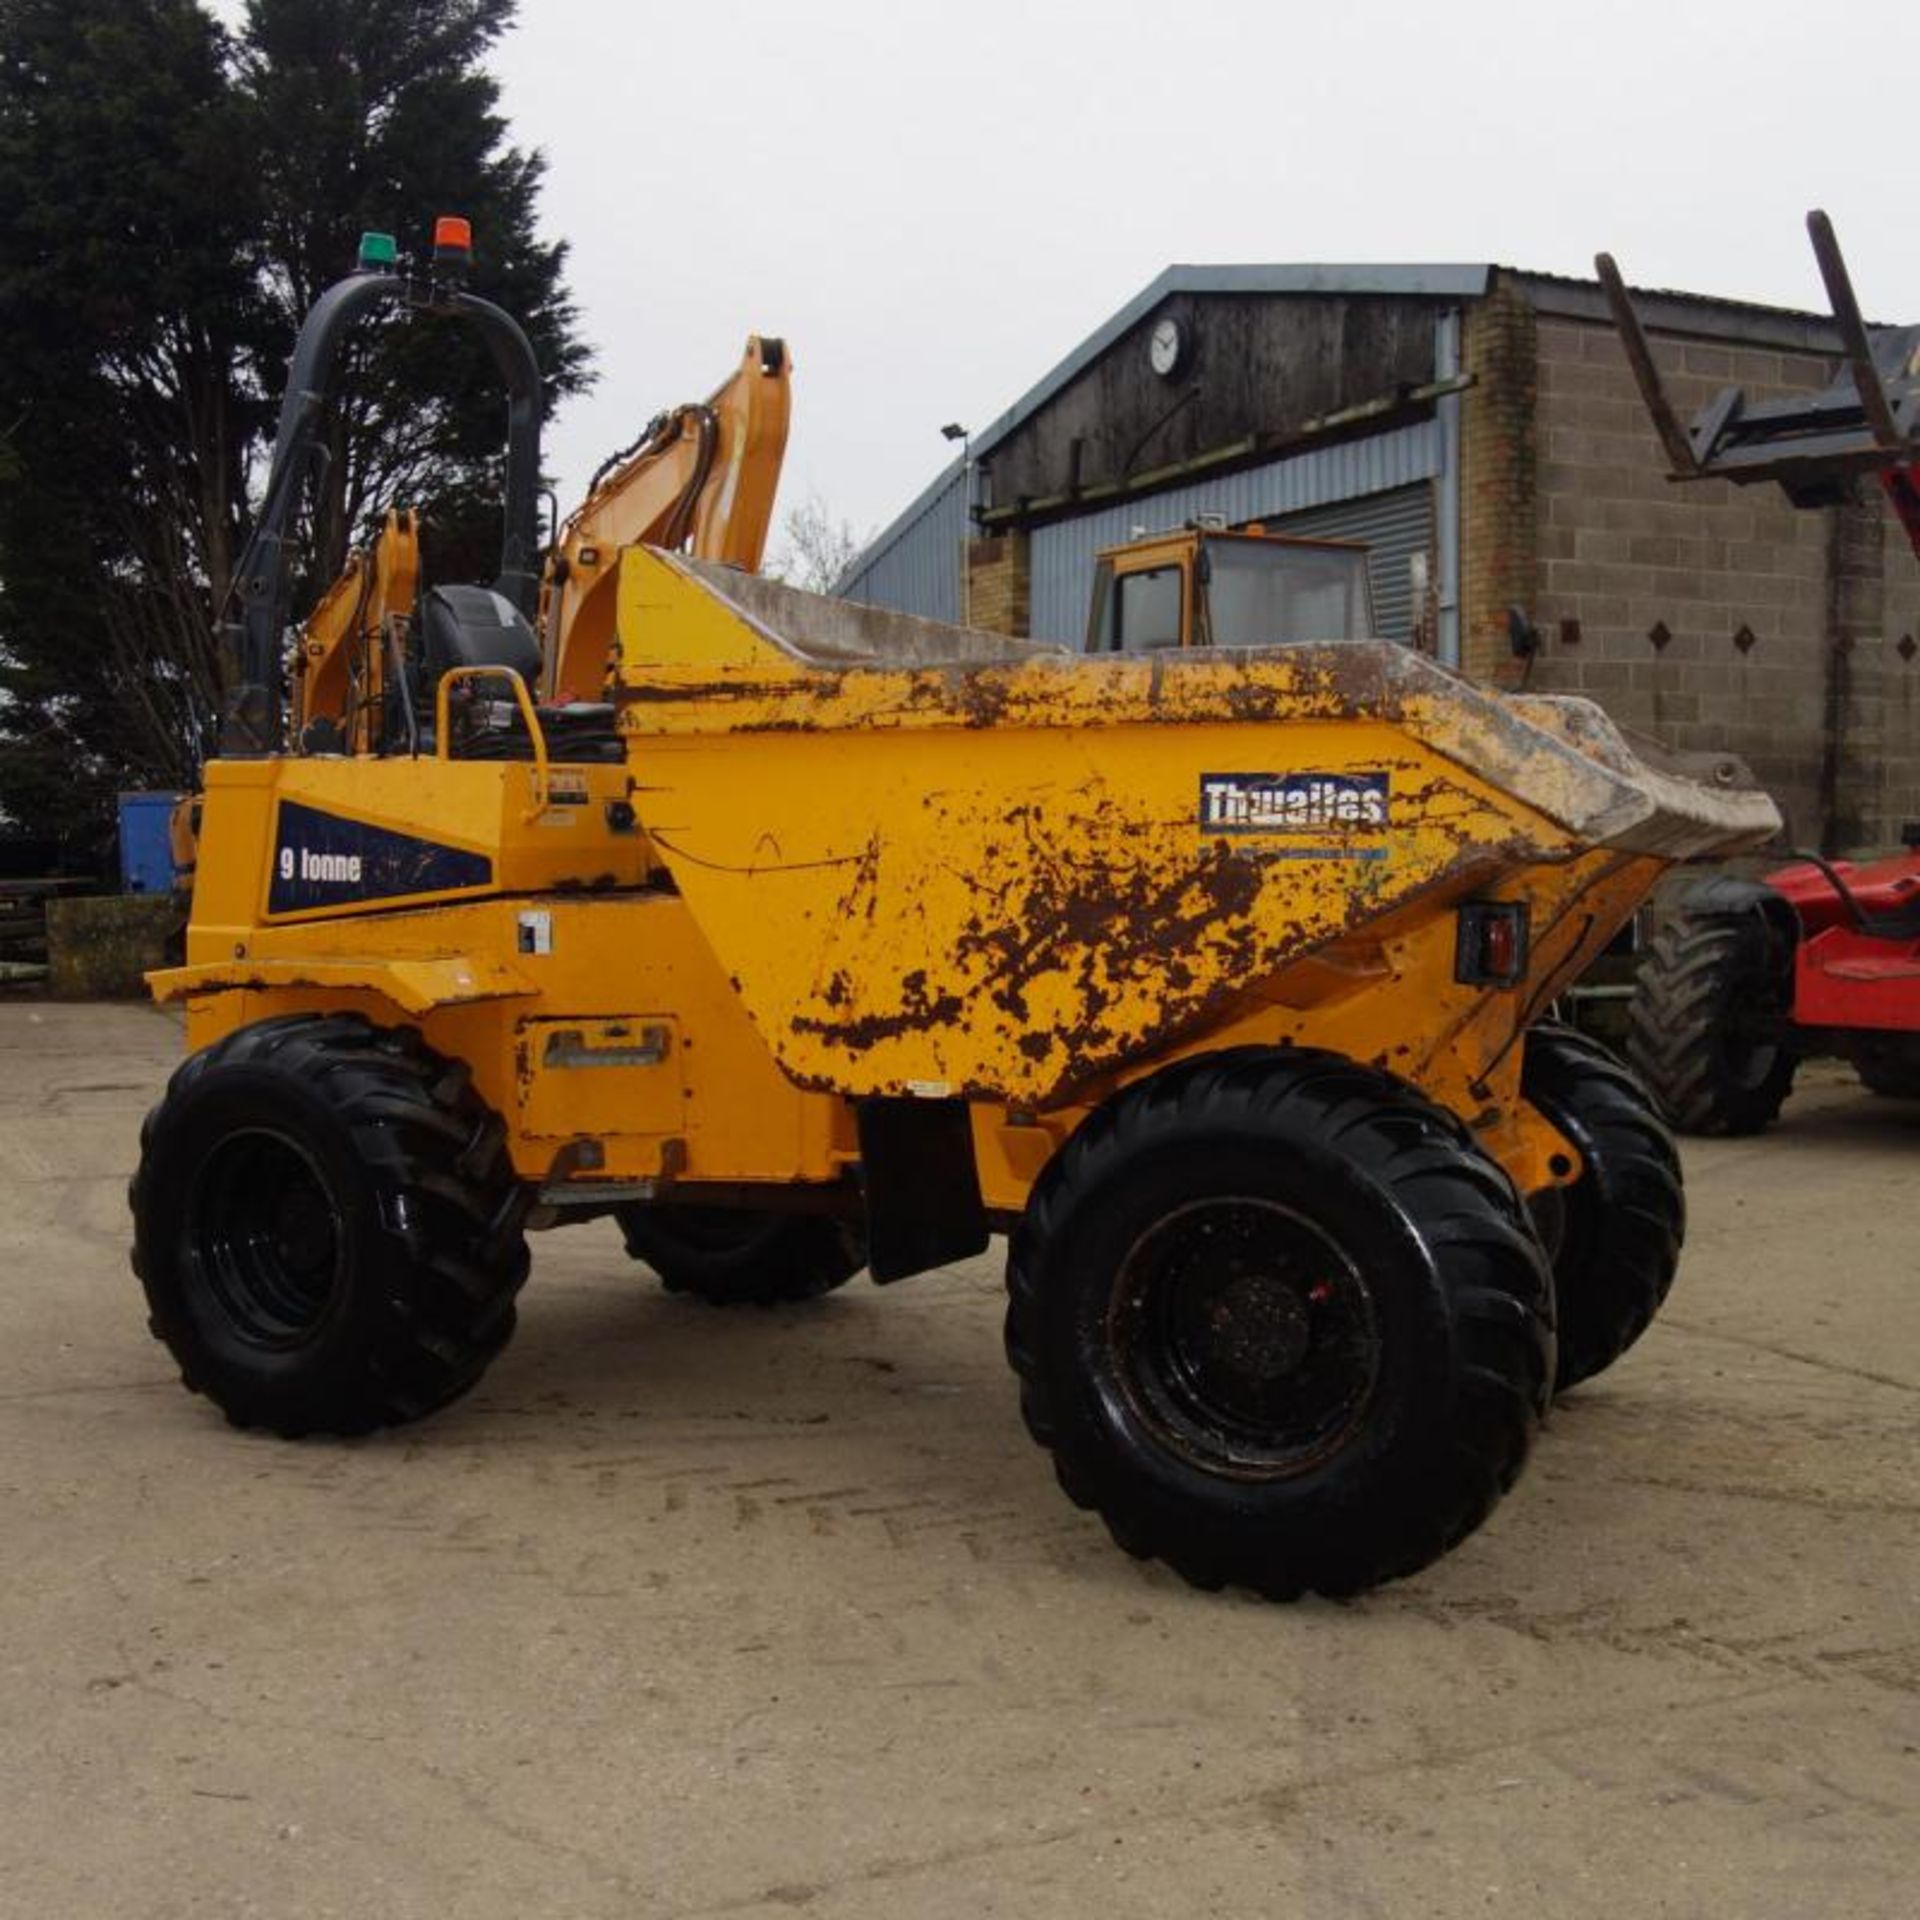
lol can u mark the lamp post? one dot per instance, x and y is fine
(952, 431)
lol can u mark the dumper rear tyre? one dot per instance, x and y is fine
(1614, 1236)
(1280, 1323)
(738, 1257)
(327, 1226)
(1710, 1026)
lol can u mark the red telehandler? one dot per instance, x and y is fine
(1747, 978)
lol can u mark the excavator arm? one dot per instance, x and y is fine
(342, 666)
(700, 480)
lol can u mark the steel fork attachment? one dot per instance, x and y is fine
(1866, 421)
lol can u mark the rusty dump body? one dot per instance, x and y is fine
(940, 863)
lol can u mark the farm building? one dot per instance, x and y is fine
(1479, 429)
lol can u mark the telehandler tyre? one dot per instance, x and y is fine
(1614, 1235)
(738, 1257)
(1709, 1027)
(1889, 1065)
(1281, 1323)
(327, 1226)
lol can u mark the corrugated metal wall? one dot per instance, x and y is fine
(1380, 481)
(918, 569)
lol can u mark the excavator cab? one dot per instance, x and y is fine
(1207, 586)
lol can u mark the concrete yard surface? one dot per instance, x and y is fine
(689, 1614)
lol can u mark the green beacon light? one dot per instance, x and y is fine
(377, 250)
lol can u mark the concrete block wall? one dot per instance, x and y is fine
(1898, 692)
(1708, 616)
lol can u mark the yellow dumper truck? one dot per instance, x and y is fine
(834, 939)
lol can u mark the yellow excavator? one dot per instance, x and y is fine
(818, 937)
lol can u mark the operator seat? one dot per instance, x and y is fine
(477, 627)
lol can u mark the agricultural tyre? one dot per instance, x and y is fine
(736, 1257)
(1280, 1323)
(1614, 1235)
(327, 1226)
(1710, 1027)
(1888, 1064)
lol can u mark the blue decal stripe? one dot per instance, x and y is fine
(329, 860)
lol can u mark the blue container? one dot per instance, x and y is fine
(146, 844)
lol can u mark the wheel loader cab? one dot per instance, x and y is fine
(1206, 586)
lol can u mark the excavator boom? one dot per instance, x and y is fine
(700, 480)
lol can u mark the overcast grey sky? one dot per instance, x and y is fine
(934, 204)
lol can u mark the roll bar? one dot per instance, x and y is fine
(254, 722)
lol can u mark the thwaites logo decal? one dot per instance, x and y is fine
(1348, 812)
(323, 860)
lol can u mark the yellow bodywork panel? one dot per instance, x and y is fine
(598, 1077)
(287, 832)
(621, 973)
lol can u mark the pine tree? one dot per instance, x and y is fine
(132, 341)
(170, 201)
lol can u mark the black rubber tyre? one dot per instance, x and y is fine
(1709, 1029)
(736, 1257)
(327, 1226)
(1280, 1323)
(1614, 1235)
(1888, 1064)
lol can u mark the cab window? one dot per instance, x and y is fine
(1145, 610)
(1264, 596)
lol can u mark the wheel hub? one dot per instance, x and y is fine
(1255, 1329)
(266, 1237)
(1245, 1338)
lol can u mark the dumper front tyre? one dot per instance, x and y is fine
(738, 1257)
(1614, 1235)
(327, 1226)
(1280, 1323)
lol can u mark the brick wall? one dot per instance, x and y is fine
(1708, 616)
(1499, 488)
(998, 597)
